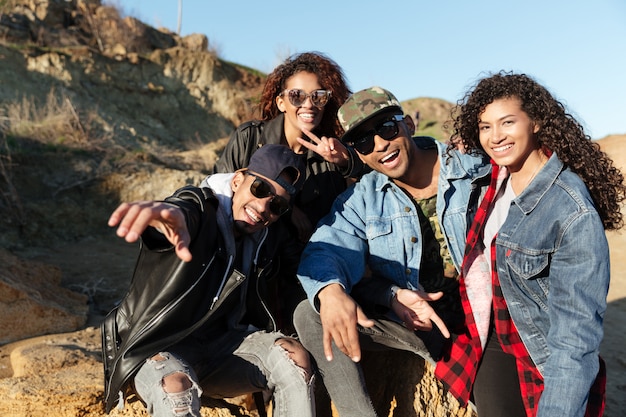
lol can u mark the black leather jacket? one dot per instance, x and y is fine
(168, 299)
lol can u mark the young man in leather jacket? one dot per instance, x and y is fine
(196, 319)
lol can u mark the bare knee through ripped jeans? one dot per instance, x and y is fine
(169, 387)
(270, 362)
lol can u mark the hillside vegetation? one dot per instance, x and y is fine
(95, 108)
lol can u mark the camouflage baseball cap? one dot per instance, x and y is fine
(363, 105)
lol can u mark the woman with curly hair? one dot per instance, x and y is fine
(298, 108)
(536, 270)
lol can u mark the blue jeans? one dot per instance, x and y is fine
(342, 377)
(236, 363)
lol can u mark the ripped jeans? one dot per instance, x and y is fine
(236, 363)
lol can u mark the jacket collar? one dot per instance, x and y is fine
(453, 166)
(528, 199)
(274, 133)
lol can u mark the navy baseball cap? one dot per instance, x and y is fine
(271, 160)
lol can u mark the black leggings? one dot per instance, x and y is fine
(496, 388)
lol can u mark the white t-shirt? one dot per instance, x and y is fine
(497, 216)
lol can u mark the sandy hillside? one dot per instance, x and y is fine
(612, 348)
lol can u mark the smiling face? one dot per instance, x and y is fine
(507, 134)
(251, 213)
(390, 157)
(306, 115)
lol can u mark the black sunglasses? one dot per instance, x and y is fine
(297, 97)
(262, 189)
(387, 130)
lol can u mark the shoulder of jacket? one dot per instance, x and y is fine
(199, 195)
(251, 124)
(425, 142)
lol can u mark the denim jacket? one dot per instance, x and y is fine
(374, 223)
(553, 263)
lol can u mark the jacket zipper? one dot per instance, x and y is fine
(259, 276)
(221, 288)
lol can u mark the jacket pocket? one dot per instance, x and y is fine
(527, 265)
(377, 229)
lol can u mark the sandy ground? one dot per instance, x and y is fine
(612, 348)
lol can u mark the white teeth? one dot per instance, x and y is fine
(253, 215)
(502, 148)
(388, 157)
(309, 116)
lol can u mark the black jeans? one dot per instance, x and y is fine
(496, 388)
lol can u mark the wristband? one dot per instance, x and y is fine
(393, 293)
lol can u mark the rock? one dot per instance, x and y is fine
(14, 28)
(61, 375)
(32, 302)
(403, 384)
(52, 375)
(196, 42)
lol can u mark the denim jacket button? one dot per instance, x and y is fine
(407, 209)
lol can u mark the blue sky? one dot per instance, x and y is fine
(418, 48)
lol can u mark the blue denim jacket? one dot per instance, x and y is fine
(553, 264)
(374, 223)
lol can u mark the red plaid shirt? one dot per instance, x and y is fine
(458, 371)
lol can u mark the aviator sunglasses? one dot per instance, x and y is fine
(262, 189)
(386, 130)
(297, 97)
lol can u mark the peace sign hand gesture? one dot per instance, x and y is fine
(331, 149)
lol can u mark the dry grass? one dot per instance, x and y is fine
(7, 5)
(53, 122)
(9, 196)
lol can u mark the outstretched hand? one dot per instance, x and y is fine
(331, 149)
(412, 307)
(133, 218)
(340, 315)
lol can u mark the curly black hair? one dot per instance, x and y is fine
(330, 76)
(559, 132)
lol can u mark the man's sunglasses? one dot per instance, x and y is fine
(297, 97)
(262, 189)
(387, 130)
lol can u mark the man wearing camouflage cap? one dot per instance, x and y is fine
(405, 224)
